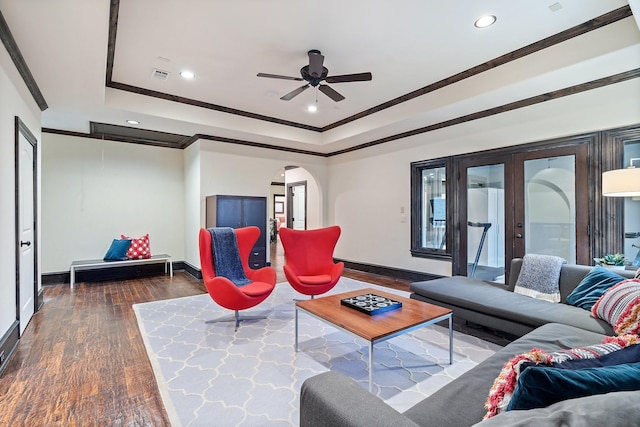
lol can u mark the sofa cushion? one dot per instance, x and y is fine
(495, 300)
(592, 287)
(618, 409)
(470, 390)
(620, 307)
(543, 386)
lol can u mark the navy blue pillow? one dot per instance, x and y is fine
(629, 354)
(591, 288)
(544, 386)
(118, 250)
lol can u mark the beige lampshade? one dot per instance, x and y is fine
(621, 182)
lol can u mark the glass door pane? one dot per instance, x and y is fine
(486, 222)
(550, 207)
(434, 223)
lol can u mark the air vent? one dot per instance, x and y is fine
(160, 74)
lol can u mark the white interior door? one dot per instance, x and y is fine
(299, 203)
(26, 230)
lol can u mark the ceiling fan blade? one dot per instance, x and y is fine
(293, 93)
(316, 59)
(358, 77)
(277, 76)
(331, 93)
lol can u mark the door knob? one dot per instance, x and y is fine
(519, 236)
(27, 243)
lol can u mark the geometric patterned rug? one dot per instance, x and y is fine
(209, 374)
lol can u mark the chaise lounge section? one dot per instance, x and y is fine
(497, 306)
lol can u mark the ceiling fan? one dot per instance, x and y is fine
(314, 74)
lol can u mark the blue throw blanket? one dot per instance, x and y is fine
(226, 258)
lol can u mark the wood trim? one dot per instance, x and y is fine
(257, 145)
(208, 105)
(397, 273)
(39, 299)
(188, 268)
(9, 344)
(19, 62)
(110, 137)
(114, 10)
(610, 238)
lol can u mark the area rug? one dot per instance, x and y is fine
(209, 374)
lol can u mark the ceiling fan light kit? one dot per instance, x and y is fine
(314, 74)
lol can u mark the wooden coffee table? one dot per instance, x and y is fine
(378, 327)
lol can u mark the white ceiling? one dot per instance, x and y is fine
(406, 45)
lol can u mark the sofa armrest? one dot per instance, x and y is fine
(332, 399)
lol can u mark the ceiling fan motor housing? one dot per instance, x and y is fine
(313, 80)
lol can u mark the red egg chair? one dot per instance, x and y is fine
(308, 255)
(225, 292)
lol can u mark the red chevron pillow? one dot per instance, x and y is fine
(139, 248)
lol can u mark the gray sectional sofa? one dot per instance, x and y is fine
(497, 306)
(332, 399)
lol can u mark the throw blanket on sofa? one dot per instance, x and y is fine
(226, 258)
(539, 277)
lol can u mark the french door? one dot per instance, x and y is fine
(528, 202)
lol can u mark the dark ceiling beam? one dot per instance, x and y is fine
(19, 62)
(208, 106)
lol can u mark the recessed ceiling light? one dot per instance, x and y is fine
(133, 122)
(485, 21)
(555, 7)
(187, 74)
(312, 108)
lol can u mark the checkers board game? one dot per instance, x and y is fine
(371, 303)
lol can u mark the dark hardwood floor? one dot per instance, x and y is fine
(82, 362)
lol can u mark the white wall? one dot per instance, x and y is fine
(368, 189)
(192, 191)
(15, 100)
(230, 169)
(94, 190)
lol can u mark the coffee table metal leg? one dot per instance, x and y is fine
(296, 329)
(370, 366)
(450, 340)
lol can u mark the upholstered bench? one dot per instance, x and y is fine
(98, 264)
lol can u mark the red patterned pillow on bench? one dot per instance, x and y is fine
(139, 248)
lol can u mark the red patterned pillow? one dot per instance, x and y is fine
(139, 248)
(504, 385)
(620, 307)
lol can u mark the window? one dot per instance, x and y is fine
(429, 209)
(632, 209)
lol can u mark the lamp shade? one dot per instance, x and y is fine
(621, 182)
